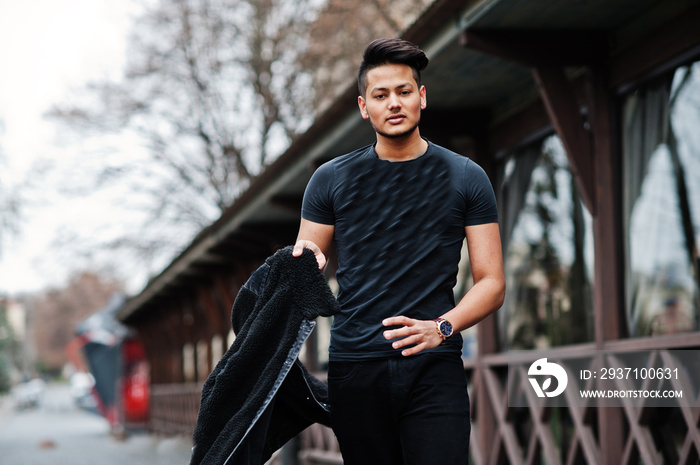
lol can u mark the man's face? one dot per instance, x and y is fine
(392, 100)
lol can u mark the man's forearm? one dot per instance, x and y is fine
(484, 298)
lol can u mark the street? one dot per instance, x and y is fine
(59, 433)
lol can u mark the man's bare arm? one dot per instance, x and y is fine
(489, 290)
(314, 236)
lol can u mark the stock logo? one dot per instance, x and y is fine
(542, 368)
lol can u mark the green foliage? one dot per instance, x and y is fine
(5, 368)
(7, 341)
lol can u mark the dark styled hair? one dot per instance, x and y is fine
(390, 51)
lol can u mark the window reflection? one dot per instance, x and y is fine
(548, 251)
(661, 203)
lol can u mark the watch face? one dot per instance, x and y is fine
(446, 328)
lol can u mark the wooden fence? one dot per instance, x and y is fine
(567, 435)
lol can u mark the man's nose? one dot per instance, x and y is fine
(394, 102)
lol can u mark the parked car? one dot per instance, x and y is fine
(28, 394)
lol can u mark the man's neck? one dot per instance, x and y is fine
(401, 148)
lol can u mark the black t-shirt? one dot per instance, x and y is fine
(399, 229)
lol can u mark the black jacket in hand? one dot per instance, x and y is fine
(260, 395)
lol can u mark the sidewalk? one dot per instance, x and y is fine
(58, 433)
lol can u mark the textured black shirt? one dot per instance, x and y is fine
(399, 229)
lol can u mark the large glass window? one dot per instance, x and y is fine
(661, 203)
(548, 245)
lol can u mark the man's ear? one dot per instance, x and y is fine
(363, 107)
(423, 98)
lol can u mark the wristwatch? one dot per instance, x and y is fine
(444, 328)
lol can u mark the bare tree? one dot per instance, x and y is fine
(213, 90)
(9, 201)
(211, 86)
(342, 31)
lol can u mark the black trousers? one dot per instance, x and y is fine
(401, 411)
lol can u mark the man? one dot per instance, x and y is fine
(398, 212)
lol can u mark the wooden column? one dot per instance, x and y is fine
(215, 323)
(487, 329)
(184, 319)
(591, 154)
(608, 306)
(590, 149)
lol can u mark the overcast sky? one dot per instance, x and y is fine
(46, 48)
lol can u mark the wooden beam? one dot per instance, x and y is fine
(534, 48)
(441, 125)
(211, 257)
(290, 202)
(521, 128)
(560, 102)
(547, 52)
(677, 40)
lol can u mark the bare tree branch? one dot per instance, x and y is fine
(213, 90)
(10, 202)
